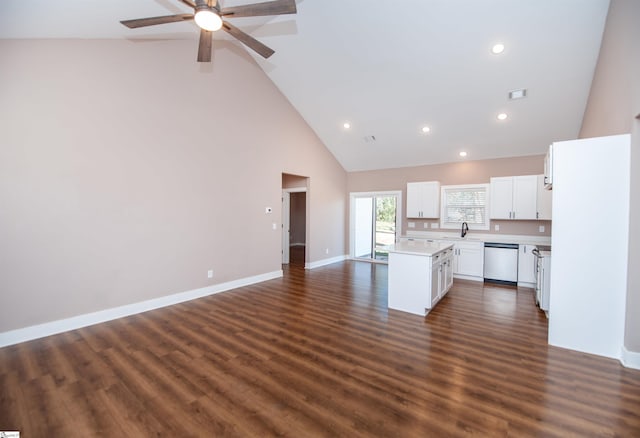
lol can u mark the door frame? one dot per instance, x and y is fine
(352, 234)
(286, 222)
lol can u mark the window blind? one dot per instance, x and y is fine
(465, 204)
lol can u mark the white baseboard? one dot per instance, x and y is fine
(325, 262)
(630, 359)
(526, 284)
(297, 244)
(467, 277)
(63, 325)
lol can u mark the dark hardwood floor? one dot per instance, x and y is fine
(317, 353)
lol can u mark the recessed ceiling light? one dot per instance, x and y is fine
(502, 116)
(463, 154)
(497, 49)
(346, 125)
(426, 129)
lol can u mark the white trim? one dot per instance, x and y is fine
(286, 226)
(62, 325)
(324, 262)
(297, 244)
(630, 359)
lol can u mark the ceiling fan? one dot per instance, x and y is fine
(208, 16)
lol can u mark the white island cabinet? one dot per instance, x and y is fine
(420, 274)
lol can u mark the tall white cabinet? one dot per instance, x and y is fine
(423, 199)
(591, 185)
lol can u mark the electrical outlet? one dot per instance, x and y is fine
(210, 273)
(274, 226)
(326, 251)
(496, 227)
(541, 228)
(411, 224)
(425, 225)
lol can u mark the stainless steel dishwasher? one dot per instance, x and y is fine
(501, 262)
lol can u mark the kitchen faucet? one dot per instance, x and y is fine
(465, 228)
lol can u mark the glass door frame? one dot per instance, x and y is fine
(352, 232)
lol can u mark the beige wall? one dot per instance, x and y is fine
(613, 103)
(463, 172)
(293, 181)
(127, 170)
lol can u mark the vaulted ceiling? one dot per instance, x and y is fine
(391, 68)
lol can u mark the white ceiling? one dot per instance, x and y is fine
(390, 68)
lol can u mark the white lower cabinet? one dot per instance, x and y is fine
(468, 260)
(526, 266)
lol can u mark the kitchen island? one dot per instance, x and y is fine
(420, 274)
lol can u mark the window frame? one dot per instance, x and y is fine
(456, 225)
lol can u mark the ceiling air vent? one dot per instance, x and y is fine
(518, 94)
(370, 139)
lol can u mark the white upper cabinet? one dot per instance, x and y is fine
(543, 200)
(423, 199)
(501, 198)
(514, 197)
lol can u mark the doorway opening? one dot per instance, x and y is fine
(294, 219)
(375, 222)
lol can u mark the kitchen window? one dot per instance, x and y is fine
(465, 203)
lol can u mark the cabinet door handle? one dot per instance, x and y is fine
(537, 215)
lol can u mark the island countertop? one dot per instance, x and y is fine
(419, 247)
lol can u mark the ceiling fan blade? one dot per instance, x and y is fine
(277, 7)
(248, 40)
(204, 48)
(152, 21)
(189, 3)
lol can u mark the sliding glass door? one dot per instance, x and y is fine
(374, 224)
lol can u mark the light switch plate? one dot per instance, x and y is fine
(425, 225)
(496, 227)
(541, 228)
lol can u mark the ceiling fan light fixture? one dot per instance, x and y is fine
(208, 20)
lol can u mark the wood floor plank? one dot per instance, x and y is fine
(317, 353)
